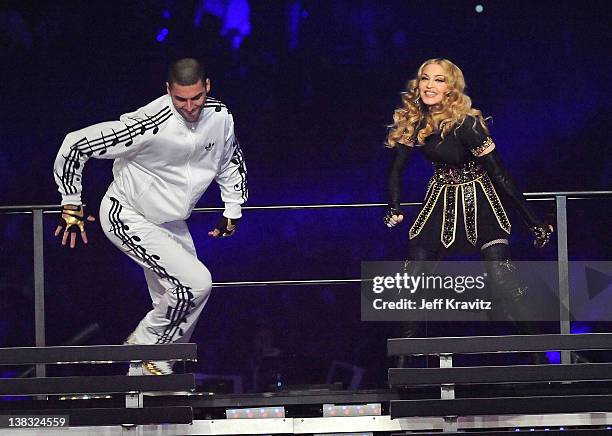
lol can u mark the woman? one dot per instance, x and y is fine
(437, 118)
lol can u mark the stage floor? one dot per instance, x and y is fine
(302, 414)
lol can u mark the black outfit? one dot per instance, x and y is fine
(463, 210)
(462, 206)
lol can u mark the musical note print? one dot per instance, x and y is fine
(100, 145)
(85, 147)
(175, 315)
(217, 104)
(152, 120)
(238, 159)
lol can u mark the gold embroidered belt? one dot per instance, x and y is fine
(446, 183)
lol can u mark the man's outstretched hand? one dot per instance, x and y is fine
(225, 227)
(72, 222)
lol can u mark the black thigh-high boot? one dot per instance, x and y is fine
(422, 261)
(508, 291)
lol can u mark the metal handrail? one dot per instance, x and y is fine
(531, 196)
(560, 199)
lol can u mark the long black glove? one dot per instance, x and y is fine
(503, 181)
(394, 185)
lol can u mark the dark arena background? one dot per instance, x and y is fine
(312, 86)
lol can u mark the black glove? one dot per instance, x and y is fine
(503, 181)
(393, 217)
(542, 235)
(225, 227)
(394, 183)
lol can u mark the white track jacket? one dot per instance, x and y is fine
(163, 164)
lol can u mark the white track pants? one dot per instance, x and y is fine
(178, 282)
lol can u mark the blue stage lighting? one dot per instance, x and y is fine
(161, 36)
(580, 328)
(554, 357)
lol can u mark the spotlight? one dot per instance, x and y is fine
(479, 8)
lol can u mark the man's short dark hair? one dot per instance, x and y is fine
(186, 72)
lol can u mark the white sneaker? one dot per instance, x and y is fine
(151, 367)
(135, 369)
(154, 367)
(157, 367)
(148, 367)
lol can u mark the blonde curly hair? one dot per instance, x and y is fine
(452, 111)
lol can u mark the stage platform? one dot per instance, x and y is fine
(326, 411)
(447, 399)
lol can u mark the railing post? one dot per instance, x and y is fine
(564, 299)
(447, 392)
(39, 285)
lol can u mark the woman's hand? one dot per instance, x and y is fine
(542, 234)
(393, 217)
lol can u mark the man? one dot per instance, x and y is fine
(166, 154)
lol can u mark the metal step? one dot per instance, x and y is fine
(103, 384)
(96, 354)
